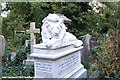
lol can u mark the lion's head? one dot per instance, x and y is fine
(52, 25)
(54, 28)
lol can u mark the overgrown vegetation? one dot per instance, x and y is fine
(109, 58)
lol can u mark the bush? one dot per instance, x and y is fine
(20, 70)
(108, 59)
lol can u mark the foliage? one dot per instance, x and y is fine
(23, 13)
(109, 58)
(86, 64)
(16, 67)
(18, 47)
(84, 19)
(20, 70)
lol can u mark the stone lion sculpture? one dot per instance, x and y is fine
(54, 33)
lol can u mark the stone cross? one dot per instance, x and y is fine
(32, 32)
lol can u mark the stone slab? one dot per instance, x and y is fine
(65, 64)
(54, 54)
(56, 68)
(2, 46)
(39, 50)
(79, 72)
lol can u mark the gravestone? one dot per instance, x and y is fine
(2, 48)
(88, 44)
(32, 32)
(59, 55)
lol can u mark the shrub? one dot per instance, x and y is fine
(108, 60)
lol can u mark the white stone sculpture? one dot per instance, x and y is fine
(67, 62)
(54, 33)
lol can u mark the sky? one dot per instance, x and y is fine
(4, 13)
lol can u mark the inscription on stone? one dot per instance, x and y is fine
(68, 62)
(43, 68)
(58, 68)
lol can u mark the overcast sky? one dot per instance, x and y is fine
(4, 13)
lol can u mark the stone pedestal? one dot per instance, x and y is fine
(58, 63)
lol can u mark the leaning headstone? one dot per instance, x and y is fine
(87, 43)
(2, 46)
(59, 55)
(2, 49)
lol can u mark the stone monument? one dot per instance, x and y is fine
(2, 46)
(32, 31)
(59, 55)
(87, 44)
(2, 49)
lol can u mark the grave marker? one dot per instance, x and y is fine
(32, 32)
(87, 43)
(59, 56)
(32, 40)
(2, 46)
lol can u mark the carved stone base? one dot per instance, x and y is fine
(60, 63)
